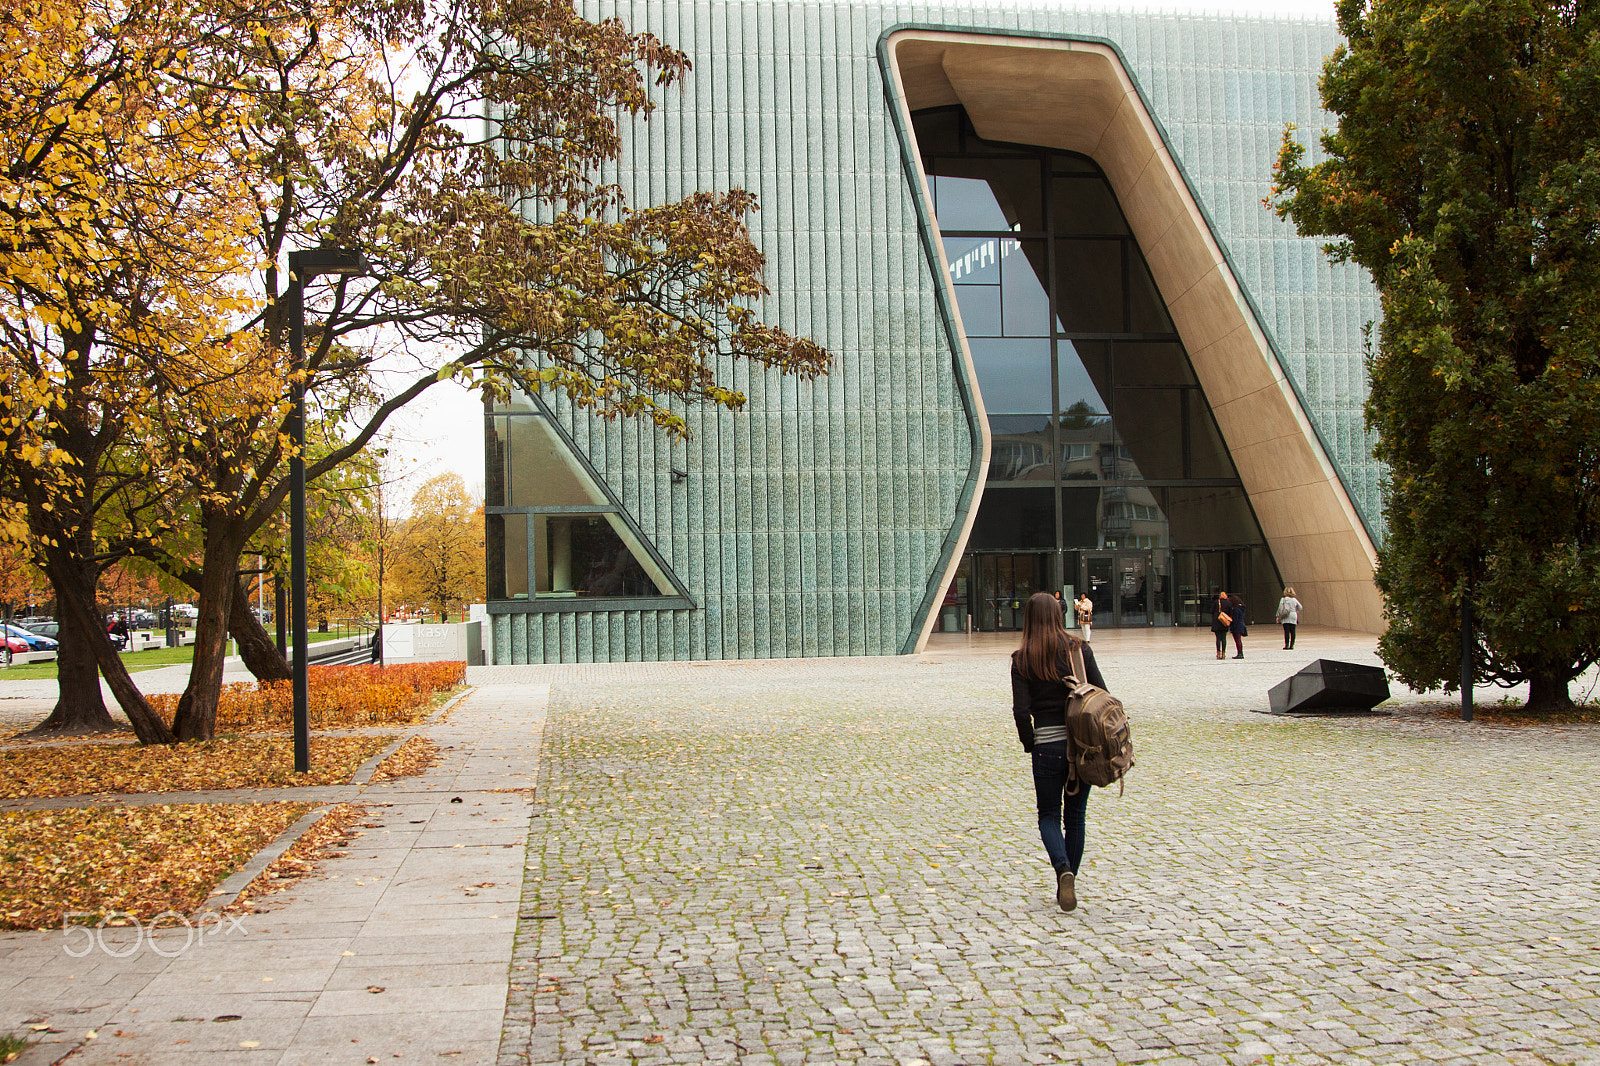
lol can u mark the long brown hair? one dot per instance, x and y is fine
(1045, 640)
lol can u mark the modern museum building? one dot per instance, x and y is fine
(1074, 350)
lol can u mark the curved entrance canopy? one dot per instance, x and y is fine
(1076, 96)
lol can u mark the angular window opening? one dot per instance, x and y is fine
(553, 532)
(1102, 446)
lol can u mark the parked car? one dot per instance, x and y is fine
(186, 610)
(19, 641)
(44, 629)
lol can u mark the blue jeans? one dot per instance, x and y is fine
(1060, 814)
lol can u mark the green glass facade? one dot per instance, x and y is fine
(827, 517)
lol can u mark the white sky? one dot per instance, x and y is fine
(443, 431)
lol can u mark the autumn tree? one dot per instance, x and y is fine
(1465, 175)
(116, 260)
(357, 125)
(501, 246)
(437, 555)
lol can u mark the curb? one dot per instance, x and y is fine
(227, 893)
(363, 775)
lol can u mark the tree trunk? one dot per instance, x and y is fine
(1547, 693)
(256, 646)
(197, 707)
(80, 609)
(79, 708)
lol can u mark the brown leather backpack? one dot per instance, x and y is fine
(1100, 743)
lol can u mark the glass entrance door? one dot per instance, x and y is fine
(1001, 585)
(1120, 584)
(1133, 591)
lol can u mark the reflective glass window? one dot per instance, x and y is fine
(980, 309)
(1021, 448)
(1080, 517)
(975, 260)
(987, 194)
(938, 131)
(1013, 374)
(1084, 205)
(1151, 363)
(531, 467)
(506, 537)
(1087, 429)
(1015, 519)
(516, 402)
(1089, 285)
(1083, 378)
(1210, 517)
(1149, 426)
(1208, 456)
(1024, 301)
(585, 556)
(1086, 446)
(1147, 313)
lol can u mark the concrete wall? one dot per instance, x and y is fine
(416, 643)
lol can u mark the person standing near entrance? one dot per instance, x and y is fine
(1229, 618)
(1039, 706)
(1289, 616)
(1084, 607)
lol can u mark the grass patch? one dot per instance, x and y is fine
(137, 860)
(135, 661)
(227, 762)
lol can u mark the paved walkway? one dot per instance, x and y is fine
(400, 951)
(835, 861)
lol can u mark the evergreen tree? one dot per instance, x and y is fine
(1465, 175)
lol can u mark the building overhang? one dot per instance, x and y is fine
(1077, 96)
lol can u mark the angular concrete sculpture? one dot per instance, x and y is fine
(1328, 686)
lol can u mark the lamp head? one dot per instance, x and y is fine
(342, 262)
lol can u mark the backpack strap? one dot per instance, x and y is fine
(1079, 674)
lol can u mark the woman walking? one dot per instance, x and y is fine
(1039, 705)
(1289, 616)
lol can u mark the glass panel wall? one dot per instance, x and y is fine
(551, 532)
(1102, 441)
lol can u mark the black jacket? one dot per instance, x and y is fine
(1041, 703)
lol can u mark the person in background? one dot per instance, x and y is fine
(1084, 607)
(1039, 706)
(1228, 613)
(1289, 616)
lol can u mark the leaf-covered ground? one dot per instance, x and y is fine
(1507, 713)
(413, 757)
(227, 762)
(137, 860)
(340, 697)
(333, 830)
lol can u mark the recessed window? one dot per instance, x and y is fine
(553, 532)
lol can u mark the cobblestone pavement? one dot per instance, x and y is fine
(836, 861)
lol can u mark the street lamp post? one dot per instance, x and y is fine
(303, 266)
